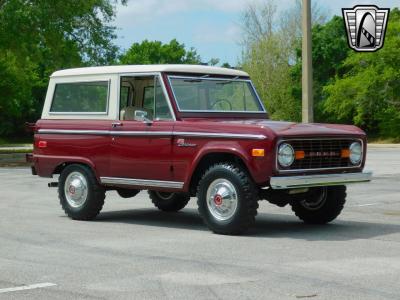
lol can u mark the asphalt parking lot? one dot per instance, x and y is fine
(134, 251)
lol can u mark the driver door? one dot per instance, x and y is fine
(142, 147)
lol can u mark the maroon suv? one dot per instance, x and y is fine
(182, 131)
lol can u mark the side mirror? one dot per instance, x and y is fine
(141, 116)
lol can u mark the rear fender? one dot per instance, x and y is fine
(47, 165)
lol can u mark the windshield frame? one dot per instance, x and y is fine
(214, 78)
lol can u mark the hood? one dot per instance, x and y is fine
(290, 129)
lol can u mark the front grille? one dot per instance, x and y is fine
(320, 154)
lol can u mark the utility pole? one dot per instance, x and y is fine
(307, 111)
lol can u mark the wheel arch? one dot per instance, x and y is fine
(84, 162)
(211, 157)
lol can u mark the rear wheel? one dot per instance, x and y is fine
(321, 205)
(127, 193)
(81, 197)
(227, 199)
(167, 201)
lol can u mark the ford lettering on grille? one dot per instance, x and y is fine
(321, 154)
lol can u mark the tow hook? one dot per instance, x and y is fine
(52, 184)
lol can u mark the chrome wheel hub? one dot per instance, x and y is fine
(76, 189)
(222, 199)
(316, 201)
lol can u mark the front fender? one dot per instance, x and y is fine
(231, 147)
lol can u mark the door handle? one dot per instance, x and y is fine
(116, 124)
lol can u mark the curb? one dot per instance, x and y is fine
(12, 158)
(383, 145)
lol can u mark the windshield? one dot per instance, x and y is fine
(201, 94)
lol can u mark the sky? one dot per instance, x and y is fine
(212, 27)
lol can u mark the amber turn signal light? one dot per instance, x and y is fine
(345, 153)
(257, 152)
(299, 154)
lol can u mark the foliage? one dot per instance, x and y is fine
(329, 49)
(270, 44)
(270, 72)
(16, 100)
(349, 87)
(368, 93)
(155, 52)
(38, 37)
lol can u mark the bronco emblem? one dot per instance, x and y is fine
(365, 26)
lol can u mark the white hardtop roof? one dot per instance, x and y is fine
(148, 69)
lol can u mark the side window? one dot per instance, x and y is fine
(162, 111)
(148, 99)
(124, 97)
(155, 102)
(80, 97)
(147, 94)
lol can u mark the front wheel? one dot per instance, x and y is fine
(227, 199)
(81, 197)
(320, 205)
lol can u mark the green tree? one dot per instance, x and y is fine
(270, 45)
(329, 50)
(155, 52)
(38, 37)
(368, 93)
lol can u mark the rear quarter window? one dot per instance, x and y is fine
(81, 97)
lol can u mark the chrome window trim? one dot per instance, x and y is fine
(154, 133)
(288, 182)
(103, 113)
(316, 169)
(162, 84)
(216, 111)
(258, 97)
(141, 182)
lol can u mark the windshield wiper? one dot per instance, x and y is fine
(200, 79)
(228, 81)
(193, 80)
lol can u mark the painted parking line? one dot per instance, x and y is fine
(27, 287)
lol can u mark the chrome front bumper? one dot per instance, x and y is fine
(291, 182)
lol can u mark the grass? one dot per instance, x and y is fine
(380, 140)
(16, 142)
(13, 151)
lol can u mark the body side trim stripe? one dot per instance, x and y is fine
(141, 182)
(221, 135)
(154, 133)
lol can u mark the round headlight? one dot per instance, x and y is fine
(355, 153)
(285, 155)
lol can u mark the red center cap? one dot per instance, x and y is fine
(218, 200)
(71, 189)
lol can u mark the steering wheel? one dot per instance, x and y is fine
(218, 101)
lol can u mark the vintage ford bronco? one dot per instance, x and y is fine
(181, 131)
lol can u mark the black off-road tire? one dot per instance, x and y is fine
(326, 212)
(169, 202)
(247, 199)
(95, 194)
(127, 193)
